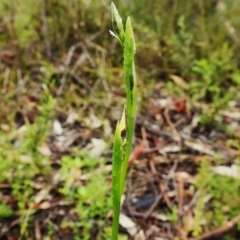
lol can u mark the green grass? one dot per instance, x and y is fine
(223, 204)
(91, 206)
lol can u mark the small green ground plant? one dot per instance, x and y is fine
(125, 127)
(24, 164)
(218, 201)
(91, 205)
(23, 161)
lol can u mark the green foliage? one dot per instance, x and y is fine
(197, 41)
(23, 161)
(26, 20)
(173, 215)
(206, 83)
(212, 74)
(5, 210)
(218, 201)
(91, 204)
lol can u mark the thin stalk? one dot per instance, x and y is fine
(118, 154)
(130, 129)
(115, 224)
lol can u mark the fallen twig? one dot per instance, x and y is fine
(219, 231)
(160, 196)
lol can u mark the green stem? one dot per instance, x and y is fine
(116, 211)
(130, 127)
(115, 225)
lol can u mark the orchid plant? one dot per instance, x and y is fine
(125, 127)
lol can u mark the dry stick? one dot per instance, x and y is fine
(171, 125)
(82, 82)
(152, 167)
(45, 28)
(180, 196)
(5, 229)
(165, 196)
(85, 56)
(149, 212)
(37, 229)
(66, 65)
(5, 81)
(153, 128)
(192, 202)
(219, 231)
(158, 199)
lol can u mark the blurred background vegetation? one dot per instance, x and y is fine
(57, 57)
(197, 41)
